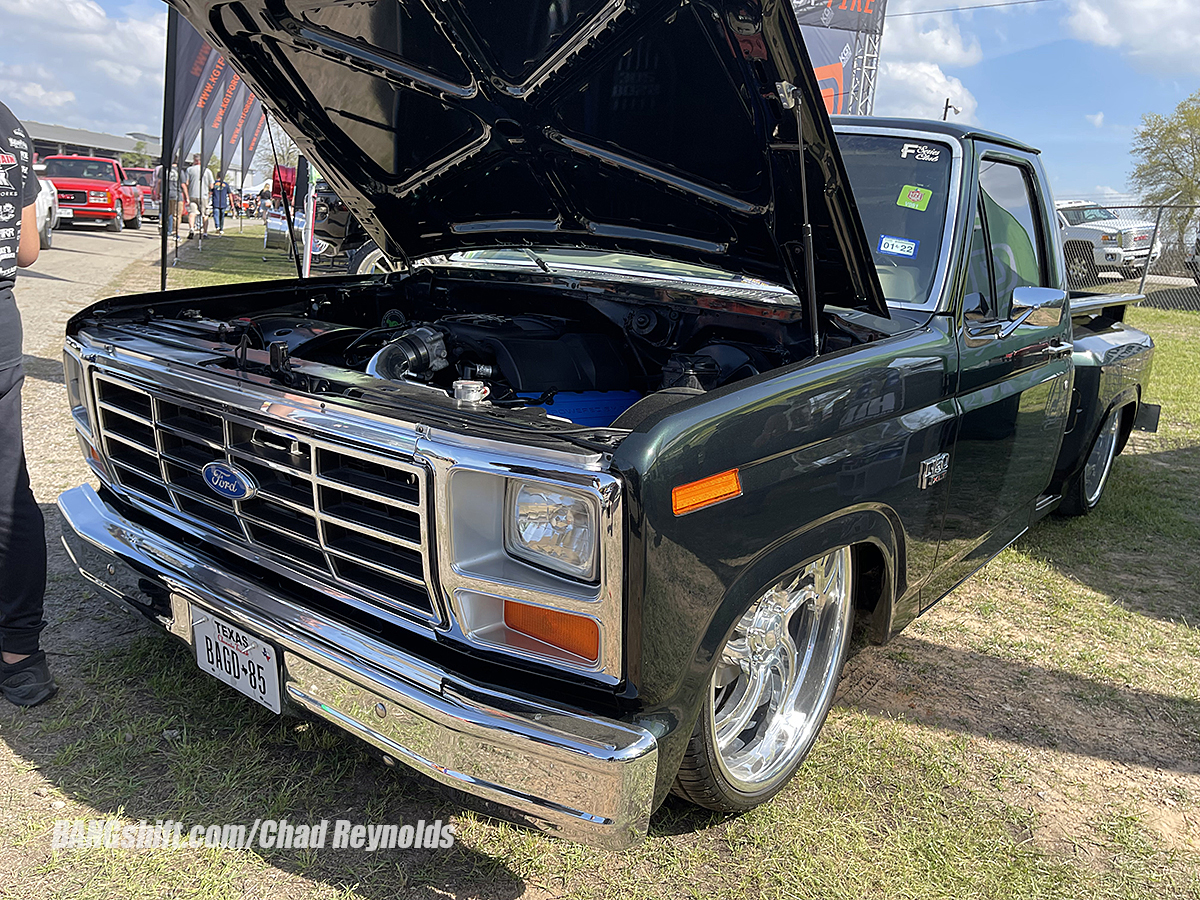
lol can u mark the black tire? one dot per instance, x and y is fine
(1081, 266)
(1084, 490)
(369, 260)
(46, 235)
(751, 703)
(136, 222)
(116, 225)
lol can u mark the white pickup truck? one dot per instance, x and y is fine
(1096, 239)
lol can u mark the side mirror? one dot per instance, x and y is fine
(1038, 306)
(129, 182)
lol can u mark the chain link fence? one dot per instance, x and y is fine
(1153, 250)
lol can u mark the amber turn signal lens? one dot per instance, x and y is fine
(698, 494)
(575, 634)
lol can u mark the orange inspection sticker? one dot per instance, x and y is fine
(913, 197)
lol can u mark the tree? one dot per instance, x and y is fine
(138, 157)
(1166, 150)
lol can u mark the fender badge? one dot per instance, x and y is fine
(229, 481)
(933, 470)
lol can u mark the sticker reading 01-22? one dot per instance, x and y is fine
(898, 246)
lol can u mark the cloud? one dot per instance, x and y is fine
(1158, 35)
(70, 62)
(1097, 119)
(919, 90)
(935, 38)
(911, 80)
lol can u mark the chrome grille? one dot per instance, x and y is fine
(1136, 238)
(79, 197)
(344, 515)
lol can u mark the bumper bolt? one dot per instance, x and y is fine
(381, 710)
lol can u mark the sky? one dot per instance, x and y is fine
(1071, 77)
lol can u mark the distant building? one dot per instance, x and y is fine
(50, 140)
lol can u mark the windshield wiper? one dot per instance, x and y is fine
(541, 263)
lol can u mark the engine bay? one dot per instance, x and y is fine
(587, 357)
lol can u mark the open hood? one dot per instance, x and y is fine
(646, 126)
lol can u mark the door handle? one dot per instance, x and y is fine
(1061, 349)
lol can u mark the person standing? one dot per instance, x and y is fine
(220, 203)
(199, 186)
(25, 677)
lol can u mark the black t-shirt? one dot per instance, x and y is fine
(19, 188)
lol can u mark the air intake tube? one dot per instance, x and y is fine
(415, 352)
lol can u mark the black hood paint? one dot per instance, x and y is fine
(646, 126)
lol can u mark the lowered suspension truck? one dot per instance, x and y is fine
(676, 384)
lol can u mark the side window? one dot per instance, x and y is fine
(1008, 207)
(979, 299)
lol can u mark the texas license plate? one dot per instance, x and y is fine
(64, 213)
(236, 657)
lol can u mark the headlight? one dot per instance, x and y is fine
(552, 527)
(99, 197)
(1110, 238)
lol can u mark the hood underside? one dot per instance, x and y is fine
(645, 127)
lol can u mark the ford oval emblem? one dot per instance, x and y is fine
(229, 481)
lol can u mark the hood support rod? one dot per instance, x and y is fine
(790, 97)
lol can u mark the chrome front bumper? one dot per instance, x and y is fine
(585, 778)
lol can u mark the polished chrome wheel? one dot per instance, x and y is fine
(370, 260)
(1083, 490)
(771, 688)
(1099, 462)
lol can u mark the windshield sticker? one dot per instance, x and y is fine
(897, 246)
(913, 197)
(920, 152)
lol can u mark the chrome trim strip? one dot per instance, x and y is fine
(583, 777)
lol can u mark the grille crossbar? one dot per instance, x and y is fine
(350, 517)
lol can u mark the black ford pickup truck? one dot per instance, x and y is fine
(581, 505)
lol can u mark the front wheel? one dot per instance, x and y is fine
(771, 689)
(46, 235)
(1084, 489)
(1081, 266)
(116, 224)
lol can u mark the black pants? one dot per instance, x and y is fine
(22, 531)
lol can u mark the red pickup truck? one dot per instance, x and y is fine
(95, 189)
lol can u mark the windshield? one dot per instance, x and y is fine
(902, 189)
(80, 168)
(144, 177)
(559, 258)
(1078, 215)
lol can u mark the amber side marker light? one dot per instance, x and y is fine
(696, 495)
(575, 634)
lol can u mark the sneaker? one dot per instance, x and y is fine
(28, 682)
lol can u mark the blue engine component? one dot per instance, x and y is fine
(589, 408)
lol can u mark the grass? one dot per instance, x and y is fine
(1036, 735)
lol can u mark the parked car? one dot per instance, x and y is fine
(47, 211)
(1193, 260)
(145, 181)
(1097, 239)
(95, 189)
(579, 508)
